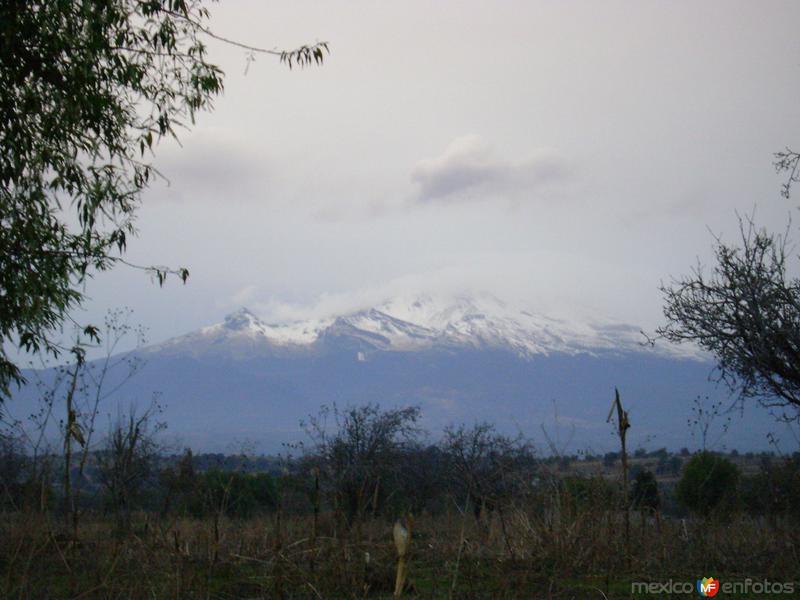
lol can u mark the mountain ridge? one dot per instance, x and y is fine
(419, 323)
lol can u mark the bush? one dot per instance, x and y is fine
(708, 484)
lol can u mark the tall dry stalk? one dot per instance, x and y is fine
(623, 424)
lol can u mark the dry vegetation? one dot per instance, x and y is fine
(559, 546)
(488, 519)
(84, 517)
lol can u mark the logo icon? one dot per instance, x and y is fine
(707, 587)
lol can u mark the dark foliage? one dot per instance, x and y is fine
(709, 484)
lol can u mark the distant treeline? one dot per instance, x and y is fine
(368, 461)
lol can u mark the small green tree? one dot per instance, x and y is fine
(708, 484)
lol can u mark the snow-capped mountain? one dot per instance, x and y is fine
(461, 359)
(413, 324)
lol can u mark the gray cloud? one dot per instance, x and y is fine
(214, 166)
(469, 170)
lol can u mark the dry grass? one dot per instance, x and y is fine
(552, 548)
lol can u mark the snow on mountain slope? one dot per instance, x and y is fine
(485, 321)
(413, 323)
(242, 335)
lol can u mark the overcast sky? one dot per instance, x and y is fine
(567, 156)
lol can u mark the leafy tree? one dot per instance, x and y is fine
(709, 483)
(89, 87)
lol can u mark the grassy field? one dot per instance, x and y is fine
(562, 549)
(490, 520)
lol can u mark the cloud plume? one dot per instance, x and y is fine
(469, 170)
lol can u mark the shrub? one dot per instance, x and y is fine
(708, 484)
